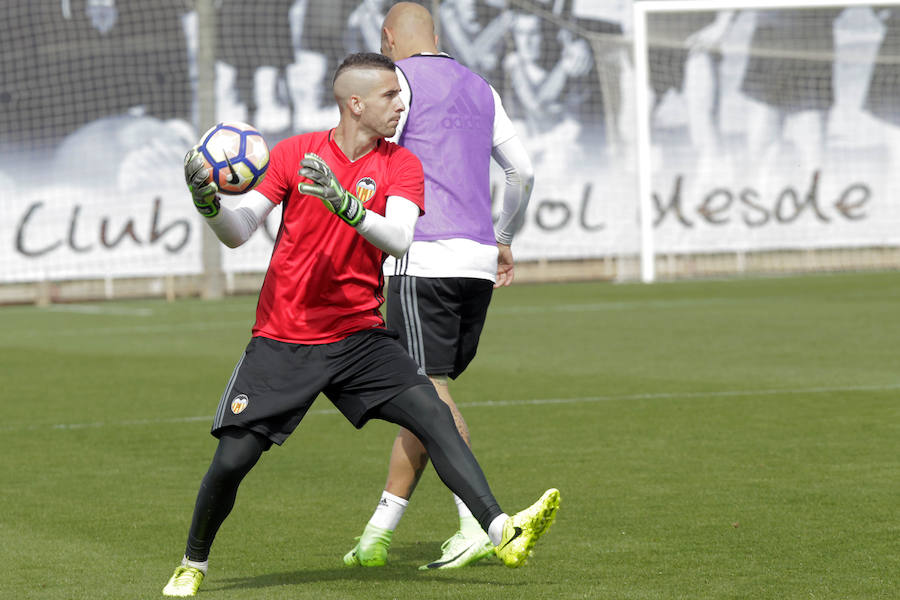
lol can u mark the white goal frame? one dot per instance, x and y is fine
(644, 160)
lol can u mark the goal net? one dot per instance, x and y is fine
(669, 138)
(767, 135)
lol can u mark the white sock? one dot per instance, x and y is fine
(468, 524)
(389, 511)
(495, 530)
(203, 566)
(462, 508)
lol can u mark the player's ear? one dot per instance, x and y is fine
(387, 42)
(356, 104)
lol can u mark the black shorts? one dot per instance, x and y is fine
(439, 319)
(275, 383)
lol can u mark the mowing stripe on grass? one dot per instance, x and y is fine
(603, 306)
(133, 329)
(206, 325)
(493, 403)
(94, 309)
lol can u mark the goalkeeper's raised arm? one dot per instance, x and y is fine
(233, 226)
(391, 232)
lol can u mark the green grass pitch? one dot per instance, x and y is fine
(716, 439)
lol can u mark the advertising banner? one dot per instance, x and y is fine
(770, 129)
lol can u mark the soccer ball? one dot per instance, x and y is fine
(237, 156)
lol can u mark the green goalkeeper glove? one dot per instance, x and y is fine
(329, 191)
(204, 191)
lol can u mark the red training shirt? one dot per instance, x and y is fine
(324, 280)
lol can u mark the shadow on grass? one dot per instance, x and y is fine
(402, 566)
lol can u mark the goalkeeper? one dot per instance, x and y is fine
(349, 198)
(439, 292)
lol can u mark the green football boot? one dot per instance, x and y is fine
(184, 582)
(522, 530)
(461, 550)
(372, 548)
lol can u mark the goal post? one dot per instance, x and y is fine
(212, 286)
(799, 161)
(642, 130)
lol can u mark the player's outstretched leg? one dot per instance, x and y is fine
(522, 530)
(372, 548)
(470, 543)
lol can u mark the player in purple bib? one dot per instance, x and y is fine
(439, 291)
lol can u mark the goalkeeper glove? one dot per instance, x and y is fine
(199, 180)
(329, 191)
